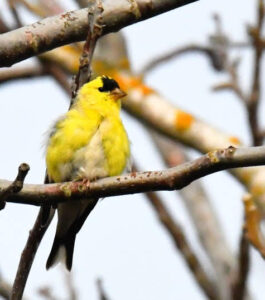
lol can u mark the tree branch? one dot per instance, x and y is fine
(7, 75)
(16, 186)
(101, 292)
(94, 32)
(178, 236)
(170, 179)
(28, 255)
(207, 50)
(203, 216)
(254, 97)
(72, 26)
(5, 289)
(239, 286)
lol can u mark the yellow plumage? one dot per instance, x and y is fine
(89, 142)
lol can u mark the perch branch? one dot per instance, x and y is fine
(170, 179)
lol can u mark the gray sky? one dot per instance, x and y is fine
(122, 241)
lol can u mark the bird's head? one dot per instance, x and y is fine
(103, 87)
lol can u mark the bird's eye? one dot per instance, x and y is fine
(108, 84)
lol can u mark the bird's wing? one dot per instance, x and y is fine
(71, 134)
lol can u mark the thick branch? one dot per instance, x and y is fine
(72, 26)
(170, 179)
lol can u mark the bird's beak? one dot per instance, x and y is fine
(117, 94)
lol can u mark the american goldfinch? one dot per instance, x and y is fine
(87, 143)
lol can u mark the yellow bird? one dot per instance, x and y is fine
(87, 143)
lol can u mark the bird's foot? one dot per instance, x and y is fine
(85, 182)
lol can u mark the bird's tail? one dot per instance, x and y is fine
(71, 217)
(62, 251)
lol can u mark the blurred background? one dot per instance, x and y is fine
(122, 241)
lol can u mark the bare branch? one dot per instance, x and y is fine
(233, 84)
(12, 6)
(21, 73)
(210, 53)
(240, 284)
(46, 293)
(101, 291)
(254, 97)
(58, 74)
(252, 105)
(73, 26)
(69, 284)
(16, 186)
(178, 236)
(3, 27)
(204, 218)
(28, 255)
(94, 32)
(5, 289)
(170, 179)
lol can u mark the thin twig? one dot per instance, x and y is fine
(101, 291)
(254, 97)
(16, 186)
(3, 27)
(58, 74)
(210, 53)
(178, 236)
(239, 288)
(12, 6)
(69, 283)
(94, 32)
(233, 84)
(215, 50)
(46, 293)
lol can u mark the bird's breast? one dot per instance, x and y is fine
(106, 154)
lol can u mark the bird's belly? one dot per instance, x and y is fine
(106, 154)
(90, 162)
